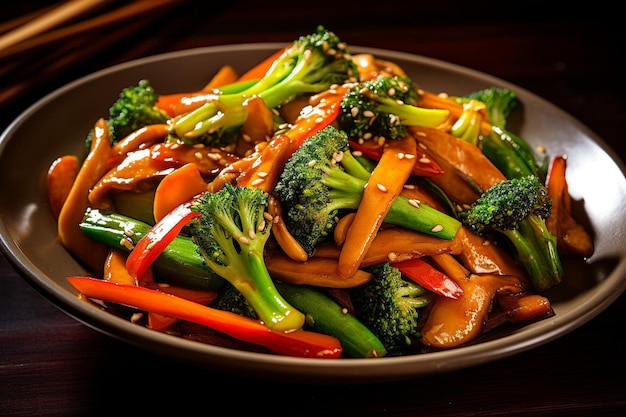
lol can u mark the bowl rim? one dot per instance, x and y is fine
(296, 369)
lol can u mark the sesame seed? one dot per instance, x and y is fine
(198, 146)
(261, 174)
(409, 156)
(357, 153)
(381, 187)
(127, 243)
(252, 234)
(244, 240)
(257, 181)
(246, 138)
(424, 160)
(409, 186)
(151, 245)
(136, 317)
(354, 111)
(312, 163)
(392, 256)
(367, 136)
(368, 113)
(391, 91)
(437, 228)
(267, 216)
(420, 133)
(198, 155)
(319, 120)
(261, 226)
(415, 203)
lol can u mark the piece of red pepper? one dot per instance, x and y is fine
(429, 277)
(154, 242)
(325, 109)
(299, 343)
(424, 166)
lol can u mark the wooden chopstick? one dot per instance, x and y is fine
(61, 62)
(56, 16)
(22, 19)
(119, 15)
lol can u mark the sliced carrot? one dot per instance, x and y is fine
(61, 176)
(115, 269)
(262, 168)
(227, 74)
(258, 126)
(93, 167)
(260, 69)
(523, 307)
(177, 187)
(572, 238)
(179, 103)
(383, 186)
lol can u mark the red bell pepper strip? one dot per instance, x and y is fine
(152, 244)
(429, 277)
(325, 109)
(424, 166)
(299, 343)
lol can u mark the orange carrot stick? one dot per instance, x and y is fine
(383, 186)
(177, 187)
(61, 176)
(86, 250)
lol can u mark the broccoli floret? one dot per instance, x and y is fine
(385, 107)
(508, 152)
(134, 108)
(322, 180)
(390, 307)
(516, 209)
(230, 234)
(311, 64)
(231, 299)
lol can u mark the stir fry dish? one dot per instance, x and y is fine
(321, 205)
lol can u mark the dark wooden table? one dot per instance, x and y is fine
(53, 365)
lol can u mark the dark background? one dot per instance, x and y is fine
(570, 55)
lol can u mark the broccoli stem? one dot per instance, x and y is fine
(263, 297)
(347, 191)
(510, 154)
(537, 252)
(179, 263)
(412, 115)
